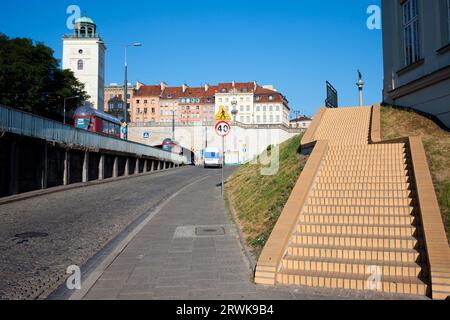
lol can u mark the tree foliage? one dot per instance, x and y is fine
(31, 80)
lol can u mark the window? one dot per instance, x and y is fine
(145, 101)
(278, 119)
(258, 119)
(411, 32)
(257, 108)
(111, 106)
(248, 108)
(271, 108)
(145, 110)
(119, 105)
(137, 101)
(270, 98)
(80, 65)
(278, 108)
(138, 110)
(264, 108)
(111, 95)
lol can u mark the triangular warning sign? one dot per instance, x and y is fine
(222, 115)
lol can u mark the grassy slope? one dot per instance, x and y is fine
(259, 199)
(397, 123)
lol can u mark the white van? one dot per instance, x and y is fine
(213, 157)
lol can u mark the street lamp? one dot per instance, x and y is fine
(125, 89)
(64, 108)
(234, 112)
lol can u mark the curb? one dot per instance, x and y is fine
(250, 258)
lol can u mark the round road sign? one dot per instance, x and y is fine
(222, 128)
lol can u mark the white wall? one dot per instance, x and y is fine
(247, 143)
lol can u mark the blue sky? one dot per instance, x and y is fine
(295, 45)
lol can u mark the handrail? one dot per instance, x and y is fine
(23, 123)
(278, 241)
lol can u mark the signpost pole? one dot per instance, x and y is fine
(223, 159)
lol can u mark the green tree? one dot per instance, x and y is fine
(31, 80)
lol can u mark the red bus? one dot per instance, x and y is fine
(94, 120)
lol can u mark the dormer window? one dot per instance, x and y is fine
(245, 89)
(223, 90)
(270, 98)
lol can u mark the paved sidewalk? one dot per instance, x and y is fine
(169, 259)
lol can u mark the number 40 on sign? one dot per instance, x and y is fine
(222, 128)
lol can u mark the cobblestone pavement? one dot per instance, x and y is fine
(191, 250)
(40, 237)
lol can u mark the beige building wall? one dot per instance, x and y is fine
(421, 82)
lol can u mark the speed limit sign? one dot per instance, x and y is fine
(222, 128)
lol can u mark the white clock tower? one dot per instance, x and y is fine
(84, 54)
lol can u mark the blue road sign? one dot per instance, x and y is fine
(124, 130)
(146, 135)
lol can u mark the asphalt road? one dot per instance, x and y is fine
(40, 237)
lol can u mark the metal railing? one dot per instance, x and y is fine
(23, 123)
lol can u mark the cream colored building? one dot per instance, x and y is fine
(416, 49)
(84, 54)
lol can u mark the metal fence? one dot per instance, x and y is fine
(22, 123)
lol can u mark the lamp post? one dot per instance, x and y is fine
(64, 107)
(234, 112)
(360, 85)
(125, 89)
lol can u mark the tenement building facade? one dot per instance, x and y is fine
(248, 102)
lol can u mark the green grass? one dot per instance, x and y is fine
(397, 123)
(259, 199)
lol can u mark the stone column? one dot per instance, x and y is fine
(127, 167)
(85, 169)
(115, 170)
(101, 167)
(66, 178)
(136, 167)
(145, 169)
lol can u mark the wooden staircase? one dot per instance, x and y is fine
(358, 225)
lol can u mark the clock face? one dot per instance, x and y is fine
(80, 51)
